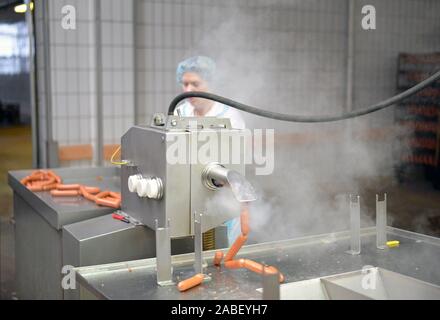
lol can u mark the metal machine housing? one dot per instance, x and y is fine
(184, 191)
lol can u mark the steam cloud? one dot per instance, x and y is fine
(307, 193)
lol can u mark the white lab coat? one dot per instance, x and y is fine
(186, 109)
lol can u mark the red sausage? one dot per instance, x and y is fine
(47, 182)
(271, 269)
(50, 186)
(244, 220)
(68, 186)
(234, 264)
(35, 188)
(258, 268)
(57, 178)
(35, 183)
(86, 194)
(25, 180)
(115, 195)
(36, 175)
(235, 247)
(190, 282)
(253, 266)
(64, 193)
(92, 190)
(218, 258)
(113, 203)
(103, 194)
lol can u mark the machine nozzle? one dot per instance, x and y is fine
(216, 176)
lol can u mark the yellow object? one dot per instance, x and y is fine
(116, 162)
(21, 8)
(392, 244)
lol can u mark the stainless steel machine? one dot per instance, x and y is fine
(170, 171)
(160, 197)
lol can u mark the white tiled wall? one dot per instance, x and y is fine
(270, 52)
(283, 55)
(118, 68)
(297, 50)
(411, 26)
(73, 68)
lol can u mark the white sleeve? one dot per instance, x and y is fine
(237, 121)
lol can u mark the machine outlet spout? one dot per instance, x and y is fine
(216, 176)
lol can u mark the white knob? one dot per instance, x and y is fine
(133, 182)
(142, 188)
(153, 189)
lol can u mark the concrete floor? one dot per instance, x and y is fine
(413, 206)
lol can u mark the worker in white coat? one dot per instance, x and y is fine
(197, 74)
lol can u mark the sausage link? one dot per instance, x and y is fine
(37, 183)
(235, 247)
(234, 264)
(36, 175)
(258, 268)
(50, 186)
(25, 180)
(92, 190)
(244, 220)
(253, 266)
(54, 175)
(64, 193)
(115, 195)
(86, 194)
(68, 186)
(47, 182)
(113, 203)
(35, 188)
(272, 269)
(103, 194)
(218, 258)
(89, 196)
(190, 282)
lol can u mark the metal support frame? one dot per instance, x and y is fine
(33, 85)
(136, 36)
(381, 222)
(198, 243)
(51, 146)
(355, 225)
(199, 264)
(99, 142)
(271, 286)
(163, 255)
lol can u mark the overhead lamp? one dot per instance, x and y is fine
(21, 8)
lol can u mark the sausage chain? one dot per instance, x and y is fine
(239, 242)
(47, 180)
(228, 259)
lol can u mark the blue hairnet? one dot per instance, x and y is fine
(202, 65)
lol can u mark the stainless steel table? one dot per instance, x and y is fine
(418, 256)
(39, 219)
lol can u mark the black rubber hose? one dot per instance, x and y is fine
(293, 118)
